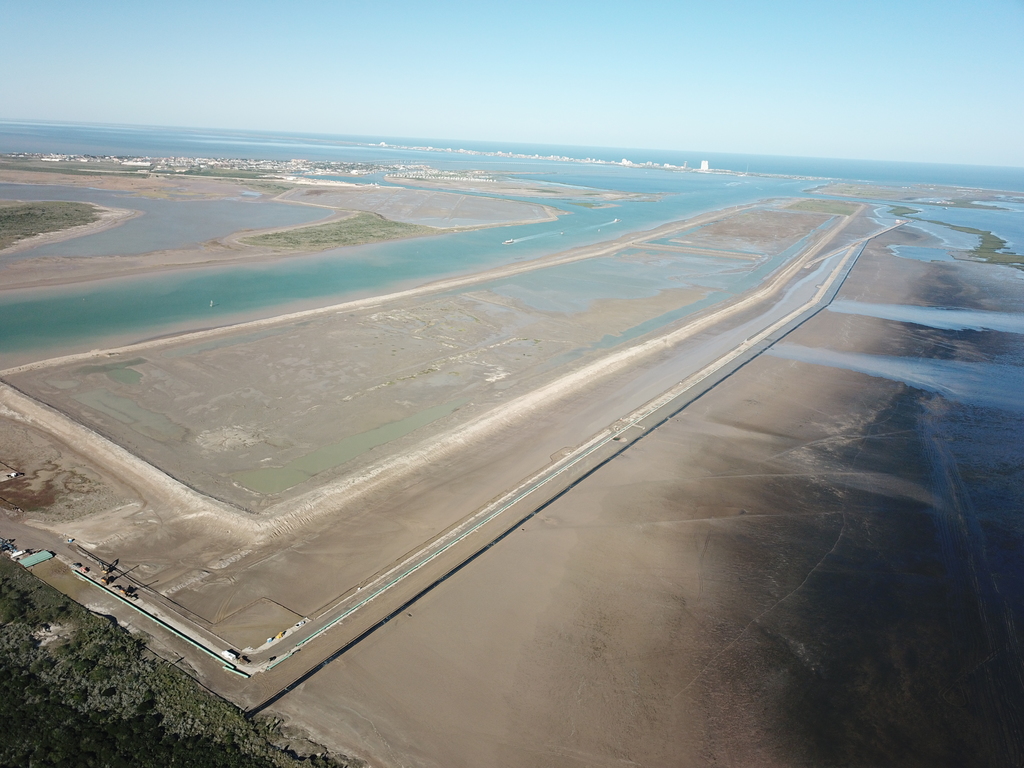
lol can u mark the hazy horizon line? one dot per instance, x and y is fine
(452, 144)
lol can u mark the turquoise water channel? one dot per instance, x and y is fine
(40, 323)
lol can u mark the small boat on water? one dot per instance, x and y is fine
(616, 221)
(508, 242)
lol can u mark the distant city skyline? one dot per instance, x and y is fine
(922, 82)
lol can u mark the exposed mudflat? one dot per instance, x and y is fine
(809, 566)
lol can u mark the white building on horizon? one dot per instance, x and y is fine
(704, 165)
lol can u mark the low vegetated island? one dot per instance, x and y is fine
(358, 229)
(832, 207)
(19, 221)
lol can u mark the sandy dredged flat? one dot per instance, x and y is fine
(207, 407)
(605, 632)
(210, 407)
(765, 580)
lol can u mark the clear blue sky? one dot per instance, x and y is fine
(939, 81)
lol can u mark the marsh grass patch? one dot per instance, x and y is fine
(358, 229)
(833, 207)
(19, 221)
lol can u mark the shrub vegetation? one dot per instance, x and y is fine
(21, 220)
(832, 207)
(80, 691)
(355, 230)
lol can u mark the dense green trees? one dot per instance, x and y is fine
(79, 691)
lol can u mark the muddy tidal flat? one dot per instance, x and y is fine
(808, 566)
(740, 487)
